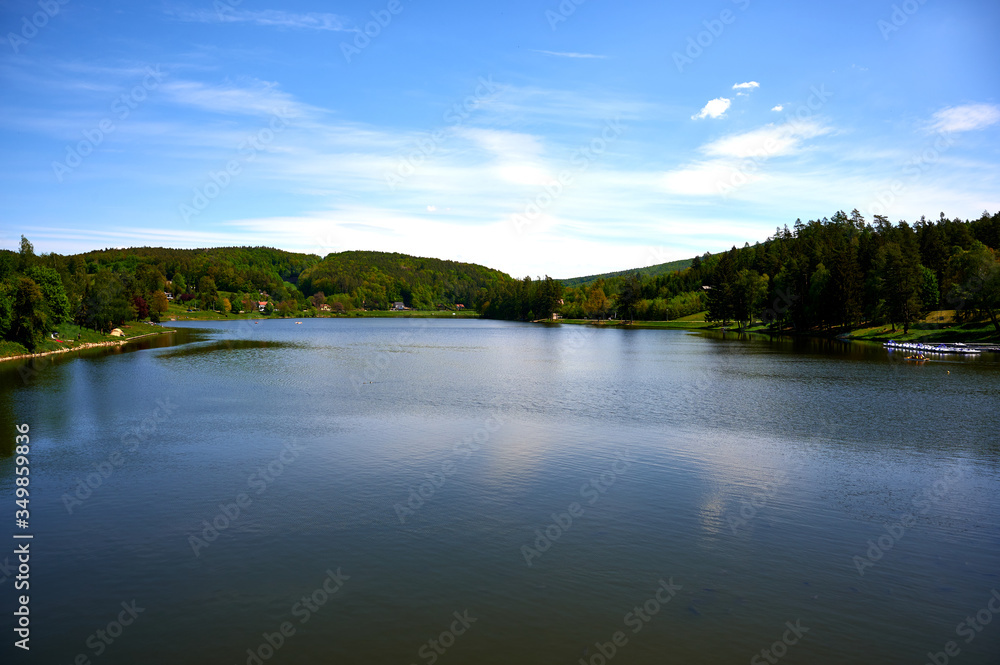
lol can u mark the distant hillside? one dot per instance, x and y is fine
(650, 271)
(232, 268)
(381, 278)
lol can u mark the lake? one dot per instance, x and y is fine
(467, 491)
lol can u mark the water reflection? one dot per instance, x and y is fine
(826, 442)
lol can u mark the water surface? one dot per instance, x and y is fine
(753, 474)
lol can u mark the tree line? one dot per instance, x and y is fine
(376, 280)
(827, 274)
(844, 272)
(105, 288)
(835, 273)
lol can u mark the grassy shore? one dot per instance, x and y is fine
(937, 327)
(921, 332)
(71, 337)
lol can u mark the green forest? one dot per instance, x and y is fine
(376, 280)
(826, 275)
(103, 289)
(829, 275)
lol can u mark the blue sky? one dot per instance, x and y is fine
(530, 136)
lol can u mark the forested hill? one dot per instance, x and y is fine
(648, 271)
(104, 288)
(830, 274)
(231, 268)
(381, 278)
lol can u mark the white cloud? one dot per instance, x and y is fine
(727, 165)
(327, 176)
(561, 54)
(749, 85)
(255, 98)
(704, 178)
(966, 118)
(768, 141)
(779, 108)
(716, 108)
(272, 18)
(513, 157)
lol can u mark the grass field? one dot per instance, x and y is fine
(978, 331)
(9, 349)
(936, 327)
(68, 333)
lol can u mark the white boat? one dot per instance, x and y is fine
(955, 347)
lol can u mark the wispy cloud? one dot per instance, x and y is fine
(778, 109)
(516, 157)
(254, 98)
(716, 108)
(727, 164)
(562, 54)
(969, 117)
(572, 110)
(271, 18)
(749, 85)
(770, 141)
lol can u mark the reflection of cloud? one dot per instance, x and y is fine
(712, 517)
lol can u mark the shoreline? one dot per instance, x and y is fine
(941, 336)
(368, 314)
(703, 326)
(84, 346)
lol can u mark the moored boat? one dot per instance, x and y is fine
(952, 347)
